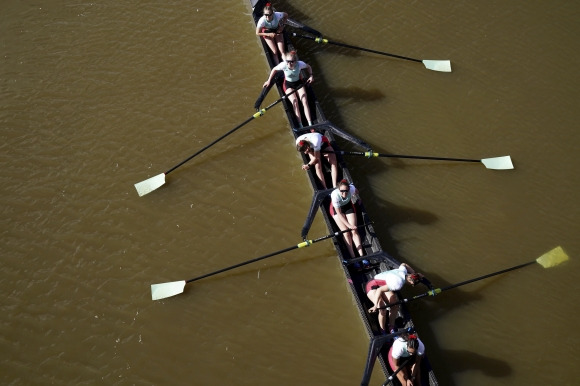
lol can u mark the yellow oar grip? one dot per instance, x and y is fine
(434, 292)
(370, 154)
(321, 40)
(306, 243)
(260, 113)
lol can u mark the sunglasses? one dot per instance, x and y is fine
(290, 61)
(267, 14)
(343, 191)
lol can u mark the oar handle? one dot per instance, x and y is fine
(303, 244)
(256, 115)
(371, 154)
(338, 233)
(394, 374)
(321, 40)
(265, 91)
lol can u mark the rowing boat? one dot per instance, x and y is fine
(360, 270)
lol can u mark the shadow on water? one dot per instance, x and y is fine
(465, 360)
(293, 12)
(448, 363)
(351, 95)
(392, 215)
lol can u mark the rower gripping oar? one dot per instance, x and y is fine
(394, 374)
(165, 290)
(376, 345)
(434, 65)
(496, 163)
(157, 181)
(549, 259)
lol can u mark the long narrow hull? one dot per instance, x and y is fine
(356, 273)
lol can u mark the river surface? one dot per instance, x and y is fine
(96, 96)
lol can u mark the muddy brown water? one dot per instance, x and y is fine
(98, 96)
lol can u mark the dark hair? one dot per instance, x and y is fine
(412, 342)
(343, 182)
(415, 278)
(303, 145)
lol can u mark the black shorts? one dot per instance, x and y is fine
(292, 85)
(346, 209)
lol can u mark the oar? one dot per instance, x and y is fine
(497, 163)
(295, 24)
(165, 290)
(394, 374)
(376, 345)
(155, 182)
(549, 259)
(265, 91)
(435, 65)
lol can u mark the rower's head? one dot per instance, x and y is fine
(412, 344)
(291, 58)
(268, 11)
(304, 146)
(343, 187)
(413, 278)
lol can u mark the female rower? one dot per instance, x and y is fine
(270, 27)
(343, 211)
(407, 350)
(312, 144)
(292, 79)
(381, 291)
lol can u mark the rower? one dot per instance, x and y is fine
(381, 291)
(312, 144)
(293, 80)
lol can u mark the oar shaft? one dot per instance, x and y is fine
(370, 154)
(301, 245)
(326, 41)
(256, 115)
(209, 145)
(394, 374)
(244, 263)
(488, 275)
(429, 158)
(439, 290)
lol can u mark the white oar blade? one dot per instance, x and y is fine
(498, 163)
(150, 185)
(438, 65)
(165, 290)
(554, 257)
